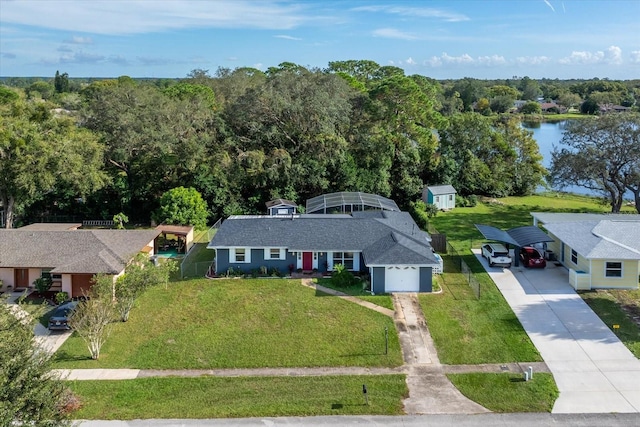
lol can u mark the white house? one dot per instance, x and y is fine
(443, 196)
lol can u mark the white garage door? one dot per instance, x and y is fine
(402, 279)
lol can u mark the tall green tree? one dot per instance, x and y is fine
(182, 206)
(61, 82)
(40, 153)
(600, 154)
(29, 393)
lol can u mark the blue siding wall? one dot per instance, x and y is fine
(426, 279)
(257, 261)
(377, 280)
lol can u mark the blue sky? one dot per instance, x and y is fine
(439, 39)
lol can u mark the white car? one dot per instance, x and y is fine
(496, 254)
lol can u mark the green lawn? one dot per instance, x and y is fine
(209, 397)
(237, 323)
(509, 212)
(508, 392)
(470, 331)
(618, 308)
(357, 291)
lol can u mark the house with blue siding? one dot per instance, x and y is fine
(388, 245)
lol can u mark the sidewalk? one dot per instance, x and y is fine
(594, 371)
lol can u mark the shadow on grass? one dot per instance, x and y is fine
(64, 356)
(346, 405)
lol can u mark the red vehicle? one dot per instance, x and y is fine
(531, 258)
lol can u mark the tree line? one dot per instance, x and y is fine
(242, 137)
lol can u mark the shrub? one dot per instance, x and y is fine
(43, 284)
(61, 297)
(342, 277)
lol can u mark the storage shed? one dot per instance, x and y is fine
(443, 196)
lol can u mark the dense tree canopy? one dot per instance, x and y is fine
(240, 137)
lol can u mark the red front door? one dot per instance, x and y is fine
(307, 260)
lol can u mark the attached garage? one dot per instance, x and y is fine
(81, 284)
(402, 279)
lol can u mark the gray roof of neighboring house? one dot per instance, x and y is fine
(280, 202)
(52, 226)
(438, 190)
(605, 239)
(552, 217)
(76, 251)
(386, 237)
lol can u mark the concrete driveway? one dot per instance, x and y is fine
(594, 371)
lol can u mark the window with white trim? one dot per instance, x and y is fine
(344, 258)
(240, 255)
(613, 269)
(437, 199)
(574, 257)
(450, 197)
(275, 253)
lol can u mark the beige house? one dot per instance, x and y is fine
(71, 257)
(599, 250)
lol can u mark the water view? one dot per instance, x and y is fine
(548, 136)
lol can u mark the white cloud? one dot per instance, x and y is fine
(137, 17)
(392, 33)
(612, 56)
(410, 61)
(440, 14)
(79, 40)
(549, 4)
(532, 60)
(446, 59)
(491, 60)
(635, 57)
(282, 36)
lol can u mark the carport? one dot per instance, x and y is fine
(518, 237)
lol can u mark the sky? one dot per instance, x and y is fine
(453, 39)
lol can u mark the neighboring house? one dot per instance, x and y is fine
(600, 250)
(386, 244)
(281, 207)
(70, 257)
(443, 196)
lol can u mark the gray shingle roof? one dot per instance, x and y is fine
(77, 251)
(438, 190)
(553, 217)
(600, 239)
(370, 232)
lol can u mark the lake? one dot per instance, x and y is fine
(548, 136)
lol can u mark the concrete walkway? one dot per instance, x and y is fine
(430, 391)
(594, 371)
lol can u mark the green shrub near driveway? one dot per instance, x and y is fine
(209, 397)
(205, 324)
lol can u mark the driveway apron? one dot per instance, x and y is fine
(594, 371)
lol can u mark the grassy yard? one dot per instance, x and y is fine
(508, 392)
(509, 212)
(210, 397)
(618, 308)
(470, 331)
(357, 291)
(460, 325)
(240, 324)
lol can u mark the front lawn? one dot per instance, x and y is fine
(209, 397)
(618, 307)
(508, 392)
(235, 323)
(466, 330)
(357, 291)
